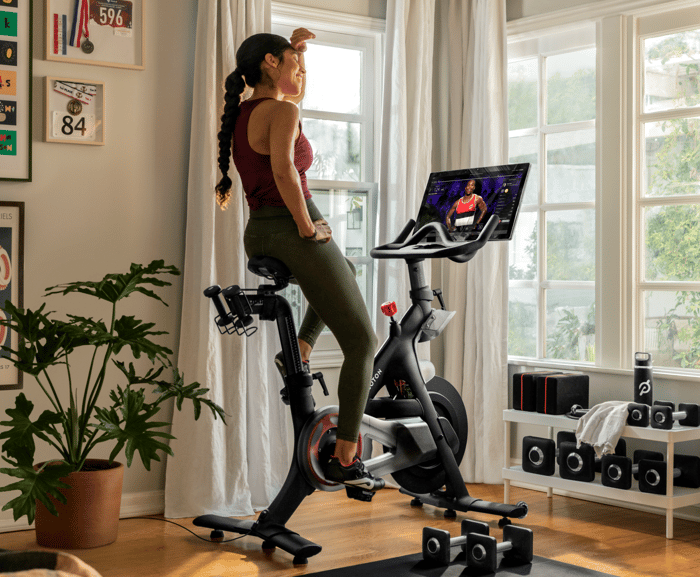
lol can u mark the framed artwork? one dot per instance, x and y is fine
(99, 32)
(11, 282)
(16, 90)
(75, 111)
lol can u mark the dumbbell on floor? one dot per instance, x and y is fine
(663, 414)
(653, 477)
(617, 471)
(437, 543)
(482, 550)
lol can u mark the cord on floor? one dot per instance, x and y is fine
(186, 529)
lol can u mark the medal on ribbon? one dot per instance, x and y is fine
(80, 36)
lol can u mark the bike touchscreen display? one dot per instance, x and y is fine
(464, 200)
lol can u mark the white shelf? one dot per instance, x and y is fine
(675, 498)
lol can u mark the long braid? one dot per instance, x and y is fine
(249, 57)
(235, 86)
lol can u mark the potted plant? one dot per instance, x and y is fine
(75, 424)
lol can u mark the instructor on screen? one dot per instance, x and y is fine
(464, 208)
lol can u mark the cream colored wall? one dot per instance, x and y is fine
(523, 8)
(92, 210)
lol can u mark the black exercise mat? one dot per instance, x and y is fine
(413, 565)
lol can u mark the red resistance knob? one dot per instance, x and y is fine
(389, 308)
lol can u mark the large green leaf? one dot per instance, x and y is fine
(133, 333)
(128, 423)
(22, 430)
(114, 287)
(33, 486)
(194, 391)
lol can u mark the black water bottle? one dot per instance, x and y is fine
(643, 379)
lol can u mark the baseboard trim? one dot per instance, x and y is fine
(133, 505)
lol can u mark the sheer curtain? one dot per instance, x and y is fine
(406, 134)
(470, 111)
(237, 469)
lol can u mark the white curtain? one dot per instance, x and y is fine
(472, 131)
(406, 134)
(237, 469)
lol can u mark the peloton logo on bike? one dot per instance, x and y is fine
(375, 377)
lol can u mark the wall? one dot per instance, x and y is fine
(93, 210)
(523, 8)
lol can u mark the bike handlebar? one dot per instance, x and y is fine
(409, 246)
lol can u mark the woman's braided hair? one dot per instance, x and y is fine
(249, 57)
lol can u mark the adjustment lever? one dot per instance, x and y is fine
(438, 294)
(319, 377)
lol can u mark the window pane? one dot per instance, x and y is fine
(571, 166)
(672, 328)
(336, 147)
(672, 155)
(672, 243)
(522, 322)
(522, 94)
(334, 79)
(571, 325)
(671, 78)
(571, 245)
(525, 149)
(571, 87)
(523, 248)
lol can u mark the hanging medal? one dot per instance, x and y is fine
(80, 37)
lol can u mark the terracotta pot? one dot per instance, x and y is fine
(90, 517)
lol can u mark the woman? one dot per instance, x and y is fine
(272, 155)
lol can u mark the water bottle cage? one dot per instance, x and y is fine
(239, 320)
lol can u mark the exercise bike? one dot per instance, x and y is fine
(421, 426)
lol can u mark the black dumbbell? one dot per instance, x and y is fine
(637, 414)
(663, 414)
(617, 471)
(540, 454)
(482, 550)
(576, 464)
(437, 543)
(652, 474)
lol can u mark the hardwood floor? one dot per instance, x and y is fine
(609, 539)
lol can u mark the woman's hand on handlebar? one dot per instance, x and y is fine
(322, 232)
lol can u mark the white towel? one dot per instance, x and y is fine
(602, 426)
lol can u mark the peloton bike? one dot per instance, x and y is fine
(422, 427)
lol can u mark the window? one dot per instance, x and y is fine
(606, 256)
(551, 114)
(667, 210)
(340, 117)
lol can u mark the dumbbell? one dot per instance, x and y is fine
(652, 474)
(617, 471)
(637, 414)
(482, 550)
(540, 454)
(437, 543)
(663, 414)
(576, 464)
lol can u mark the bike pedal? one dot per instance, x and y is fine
(359, 494)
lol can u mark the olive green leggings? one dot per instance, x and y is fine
(327, 280)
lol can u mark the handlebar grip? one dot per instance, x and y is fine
(485, 234)
(214, 293)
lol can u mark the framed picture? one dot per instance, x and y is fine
(99, 32)
(75, 111)
(16, 90)
(11, 282)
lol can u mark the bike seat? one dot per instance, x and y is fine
(269, 267)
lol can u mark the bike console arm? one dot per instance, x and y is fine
(409, 246)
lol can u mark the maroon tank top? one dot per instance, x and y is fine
(256, 169)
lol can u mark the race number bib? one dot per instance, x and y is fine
(80, 127)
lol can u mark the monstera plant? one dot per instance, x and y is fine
(75, 424)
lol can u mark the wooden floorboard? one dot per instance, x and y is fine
(609, 539)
